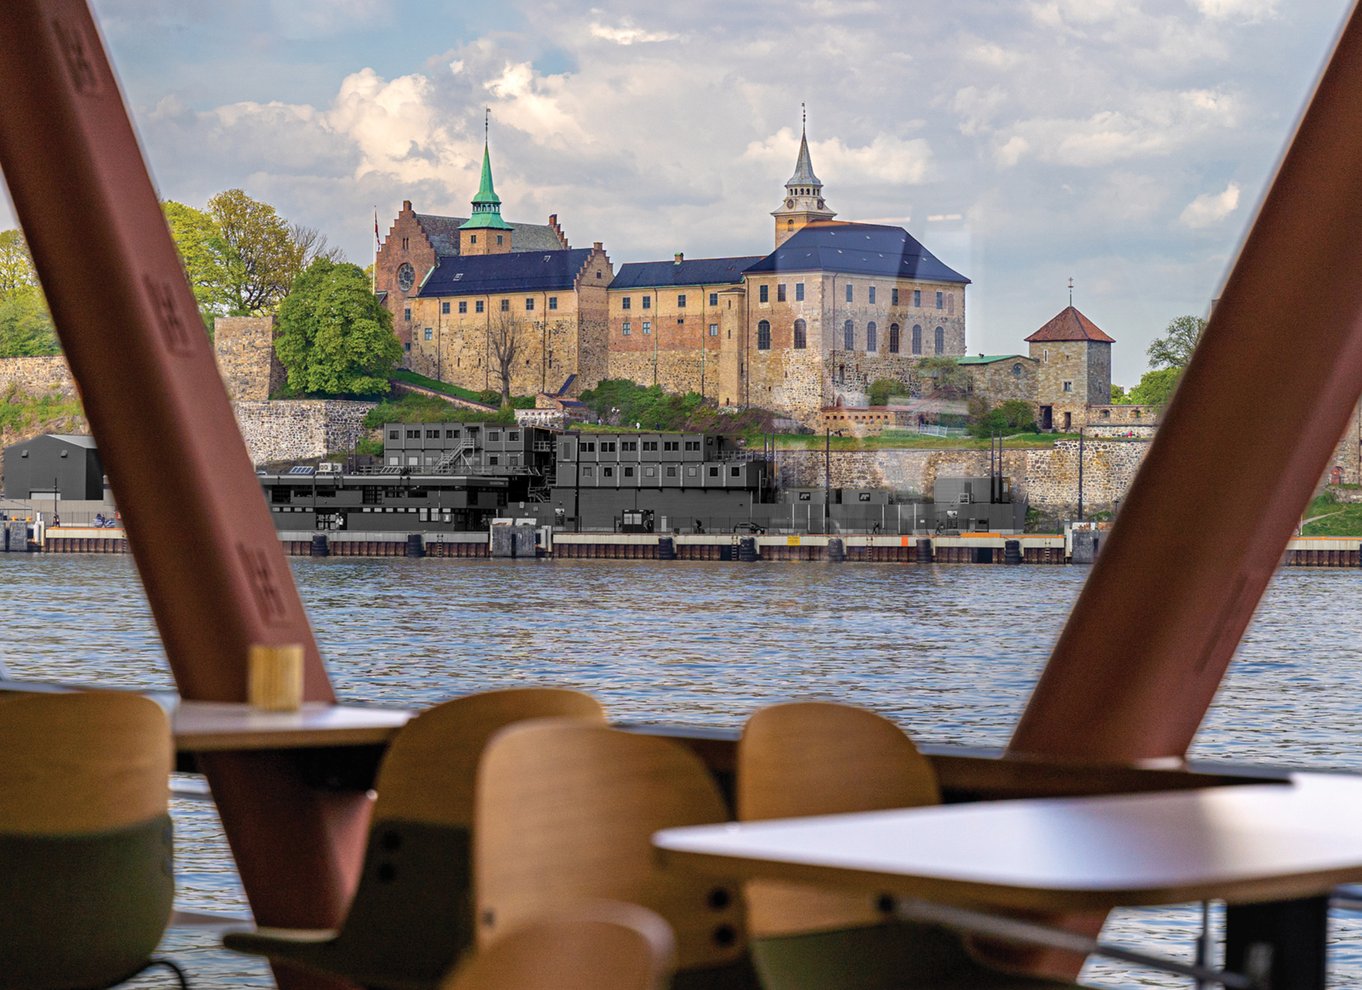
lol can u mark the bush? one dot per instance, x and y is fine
(882, 388)
(1012, 416)
(412, 408)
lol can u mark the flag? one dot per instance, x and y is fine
(377, 242)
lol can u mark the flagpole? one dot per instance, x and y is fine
(373, 268)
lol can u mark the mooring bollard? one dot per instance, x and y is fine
(1012, 552)
(924, 551)
(321, 547)
(747, 549)
(837, 551)
(666, 548)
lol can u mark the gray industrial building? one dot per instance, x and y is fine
(56, 465)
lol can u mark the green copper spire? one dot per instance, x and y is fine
(486, 204)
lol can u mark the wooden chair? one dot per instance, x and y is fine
(85, 839)
(602, 946)
(411, 916)
(822, 759)
(566, 812)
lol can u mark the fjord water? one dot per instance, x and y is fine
(950, 652)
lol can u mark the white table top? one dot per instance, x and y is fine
(205, 726)
(1241, 843)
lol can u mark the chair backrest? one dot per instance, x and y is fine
(596, 946)
(817, 758)
(428, 771)
(566, 812)
(412, 913)
(85, 845)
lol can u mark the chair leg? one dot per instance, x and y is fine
(174, 967)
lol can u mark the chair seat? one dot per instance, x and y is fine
(891, 956)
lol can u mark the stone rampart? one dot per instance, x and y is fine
(299, 429)
(36, 375)
(1047, 477)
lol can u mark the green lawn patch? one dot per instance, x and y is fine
(1326, 517)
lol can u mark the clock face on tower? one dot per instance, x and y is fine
(406, 277)
(789, 204)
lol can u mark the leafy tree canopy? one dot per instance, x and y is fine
(25, 325)
(1156, 387)
(1174, 348)
(206, 256)
(262, 257)
(335, 338)
(1012, 416)
(881, 389)
(1118, 395)
(946, 374)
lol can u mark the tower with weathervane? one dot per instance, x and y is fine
(804, 202)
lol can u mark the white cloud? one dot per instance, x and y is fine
(1250, 11)
(627, 34)
(886, 158)
(1210, 208)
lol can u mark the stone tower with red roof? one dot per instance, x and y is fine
(1074, 358)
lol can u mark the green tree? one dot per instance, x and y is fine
(1118, 395)
(948, 376)
(882, 388)
(1174, 348)
(25, 324)
(335, 338)
(263, 259)
(1156, 387)
(206, 257)
(1012, 416)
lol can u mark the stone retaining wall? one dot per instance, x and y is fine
(36, 375)
(1047, 477)
(299, 429)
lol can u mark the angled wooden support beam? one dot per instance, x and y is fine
(1244, 443)
(198, 526)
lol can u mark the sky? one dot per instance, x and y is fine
(1120, 143)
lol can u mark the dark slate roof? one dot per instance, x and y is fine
(701, 271)
(857, 249)
(803, 173)
(1070, 324)
(444, 235)
(519, 271)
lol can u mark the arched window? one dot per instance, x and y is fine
(849, 336)
(789, 224)
(764, 335)
(870, 341)
(941, 340)
(801, 335)
(917, 338)
(893, 338)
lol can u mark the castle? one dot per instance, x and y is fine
(835, 306)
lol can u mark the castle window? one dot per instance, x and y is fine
(477, 306)
(626, 303)
(789, 225)
(1016, 371)
(894, 337)
(780, 292)
(647, 302)
(499, 239)
(801, 335)
(1068, 386)
(850, 294)
(872, 294)
(893, 297)
(848, 334)
(472, 238)
(506, 305)
(430, 334)
(870, 332)
(714, 329)
(647, 327)
(529, 303)
(625, 329)
(917, 297)
(444, 308)
(940, 340)
(406, 314)
(681, 301)
(799, 292)
(463, 306)
(404, 244)
(940, 300)
(764, 335)
(763, 293)
(917, 338)
(598, 273)
(553, 302)
(407, 346)
(1106, 414)
(714, 298)
(680, 320)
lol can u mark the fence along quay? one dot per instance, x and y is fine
(81, 192)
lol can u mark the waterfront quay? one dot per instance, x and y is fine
(1076, 546)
